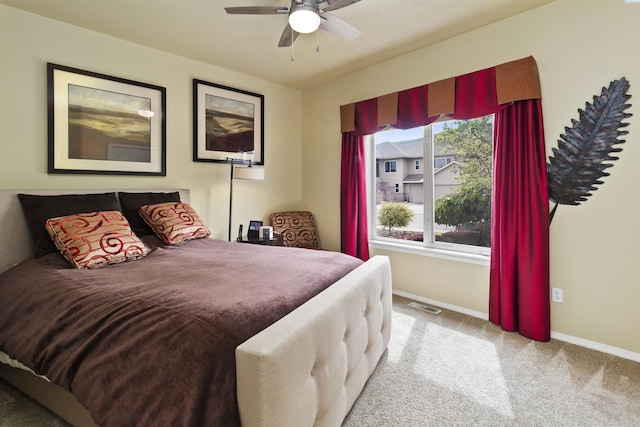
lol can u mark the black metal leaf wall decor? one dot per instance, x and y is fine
(585, 150)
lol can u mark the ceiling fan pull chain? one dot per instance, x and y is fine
(317, 40)
(292, 45)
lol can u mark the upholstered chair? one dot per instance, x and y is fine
(298, 228)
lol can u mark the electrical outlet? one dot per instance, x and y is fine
(556, 294)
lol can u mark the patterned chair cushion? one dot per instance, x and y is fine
(174, 222)
(93, 240)
(298, 228)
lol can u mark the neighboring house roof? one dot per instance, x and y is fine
(411, 149)
(440, 149)
(416, 178)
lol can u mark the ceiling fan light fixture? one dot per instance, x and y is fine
(304, 19)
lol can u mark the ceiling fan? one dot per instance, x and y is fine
(305, 16)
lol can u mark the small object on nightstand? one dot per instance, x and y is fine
(266, 232)
(240, 232)
(254, 229)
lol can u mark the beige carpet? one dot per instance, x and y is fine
(17, 410)
(454, 370)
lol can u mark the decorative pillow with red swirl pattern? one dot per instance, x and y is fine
(174, 222)
(93, 240)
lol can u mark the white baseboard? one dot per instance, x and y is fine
(441, 304)
(605, 348)
(594, 345)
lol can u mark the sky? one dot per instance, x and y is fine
(106, 100)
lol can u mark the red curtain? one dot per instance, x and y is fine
(353, 197)
(519, 272)
(413, 108)
(366, 118)
(476, 95)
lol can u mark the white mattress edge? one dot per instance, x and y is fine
(4, 358)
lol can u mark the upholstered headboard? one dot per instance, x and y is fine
(15, 239)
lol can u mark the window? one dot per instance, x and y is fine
(390, 166)
(440, 162)
(444, 208)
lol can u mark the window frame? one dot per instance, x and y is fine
(393, 166)
(450, 159)
(429, 247)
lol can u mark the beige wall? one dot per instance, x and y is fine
(28, 42)
(580, 46)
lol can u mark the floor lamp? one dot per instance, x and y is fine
(241, 172)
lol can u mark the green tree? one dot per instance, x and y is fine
(472, 142)
(470, 204)
(394, 215)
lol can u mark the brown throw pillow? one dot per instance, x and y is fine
(132, 202)
(93, 240)
(174, 223)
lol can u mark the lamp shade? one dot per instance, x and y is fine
(304, 19)
(248, 172)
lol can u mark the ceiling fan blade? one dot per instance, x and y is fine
(288, 36)
(329, 5)
(336, 26)
(256, 10)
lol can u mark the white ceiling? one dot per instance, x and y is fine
(201, 30)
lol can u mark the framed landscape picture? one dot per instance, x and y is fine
(227, 124)
(100, 124)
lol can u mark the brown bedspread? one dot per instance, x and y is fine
(152, 342)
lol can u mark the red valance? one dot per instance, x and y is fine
(463, 97)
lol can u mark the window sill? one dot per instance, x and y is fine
(470, 258)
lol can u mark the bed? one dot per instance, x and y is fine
(304, 362)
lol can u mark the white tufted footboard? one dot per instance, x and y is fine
(310, 367)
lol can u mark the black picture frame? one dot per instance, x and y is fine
(254, 229)
(218, 112)
(100, 124)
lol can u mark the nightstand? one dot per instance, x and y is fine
(276, 241)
